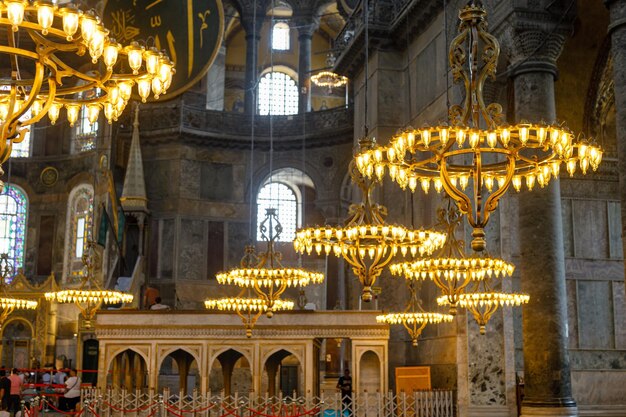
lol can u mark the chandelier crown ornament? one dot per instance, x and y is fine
(366, 242)
(264, 272)
(475, 158)
(89, 296)
(449, 267)
(64, 58)
(414, 318)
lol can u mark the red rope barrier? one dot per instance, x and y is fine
(73, 413)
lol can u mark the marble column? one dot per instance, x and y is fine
(306, 24)
(548, 388)
(252, 28)
(617, 31)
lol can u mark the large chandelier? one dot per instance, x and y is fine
(366, 242)
(329, 79)
(62, 57)
(476, 158)
(267, 276)
(9, 304)
(482, 301)
(449, 267)
(414, 318)
(89, 296)
(247, 308)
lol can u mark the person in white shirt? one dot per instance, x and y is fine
(72, 392)
(158, 306)
(4, 412)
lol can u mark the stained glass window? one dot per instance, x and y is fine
(280, 36)
(79, 232)
(278, 94)
(13, 214)
(281, 197)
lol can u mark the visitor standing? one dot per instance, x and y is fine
(5, 389)
(72, 392)
(16, 390)
(345, 386)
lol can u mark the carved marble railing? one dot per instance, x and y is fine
(233, 130)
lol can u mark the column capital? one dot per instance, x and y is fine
(534, 40)
(306, 24)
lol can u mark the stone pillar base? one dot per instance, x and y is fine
(549, 411)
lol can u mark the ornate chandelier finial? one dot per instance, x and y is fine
(476, 158)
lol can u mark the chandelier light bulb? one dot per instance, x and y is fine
(73, 110)
(88, 25)
(135, 52)
(93, 111)
(15, 13)
(70, 22)
(110, 53)
(45, 16)
(53, 112)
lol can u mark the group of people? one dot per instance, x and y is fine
(17, 387)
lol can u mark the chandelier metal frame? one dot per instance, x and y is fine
(475, 165)
(414, 318)
(89, 297)
(482, 301)
(449, 267)
(366, 242)
(64, 58)
(265, 272)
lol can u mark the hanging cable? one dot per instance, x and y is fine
(252, 120)
(445, 34)
(367, 59)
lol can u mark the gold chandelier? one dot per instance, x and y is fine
(414, 318)
(89, 296)
(476, 165)
(366, 242)
(449, 268)
(329, 79)
(483, 302)
(64, 58)
(248, 309)
(9, 304)
(265, 272)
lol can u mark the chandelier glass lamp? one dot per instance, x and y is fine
(482, 301)
(89, 296)
(414, 318)
(268, 277)
(449, 267)
(9, 304)
(63, 58)
(366, 242)
(475, 158)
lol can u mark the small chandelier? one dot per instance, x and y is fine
(475, 165)
(482, 302)
(366, 242)
(71, 63)
(248, 309)
(9, 304)
(267, 275)
(414, 318)
(327, 78)
(449, 268)
(90, 296)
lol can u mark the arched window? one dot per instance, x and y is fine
(280, 36)
(13, 213)
(278, 94)
(78, 230)
(86, 132)
(283, 191)
(281, 197)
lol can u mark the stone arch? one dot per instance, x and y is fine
(224, 375)
(186, 376)
(122, 349)
(15, 356)
(128, 367)
(274, 362)
(369, 372)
